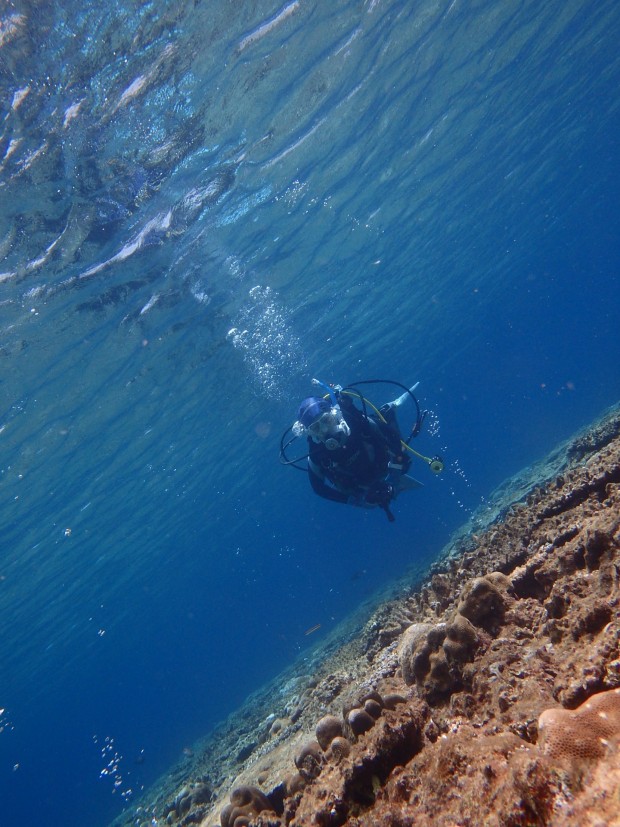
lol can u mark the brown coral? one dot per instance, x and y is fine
(360, 721)
(461, 639)
(328, 728)
(338, 749)
(373, 708)
(418, 643)
(392, 700)
(245, 803)
(428, 654)
(484, 603)
(309, 760)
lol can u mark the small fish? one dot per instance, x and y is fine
(312, 629)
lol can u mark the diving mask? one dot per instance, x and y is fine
(330, 428)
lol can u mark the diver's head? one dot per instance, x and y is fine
(322, 422)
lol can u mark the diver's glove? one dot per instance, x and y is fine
(380, 494)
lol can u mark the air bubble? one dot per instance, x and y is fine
(270, 348)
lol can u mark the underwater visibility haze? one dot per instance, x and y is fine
(204, 205)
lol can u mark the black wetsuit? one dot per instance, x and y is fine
(349, 473)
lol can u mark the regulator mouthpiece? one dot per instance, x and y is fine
(436, 465)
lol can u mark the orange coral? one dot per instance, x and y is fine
(582, 734)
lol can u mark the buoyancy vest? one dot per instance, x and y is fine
(362, 460)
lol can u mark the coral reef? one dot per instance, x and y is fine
(489, 693)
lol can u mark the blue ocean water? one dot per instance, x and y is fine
(203, 206)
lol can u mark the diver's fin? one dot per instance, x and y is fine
(396, 403)
(407, 483)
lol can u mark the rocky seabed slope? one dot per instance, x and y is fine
(489, 694)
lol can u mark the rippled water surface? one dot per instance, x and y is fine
(204, 205)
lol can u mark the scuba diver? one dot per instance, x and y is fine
(356, 454)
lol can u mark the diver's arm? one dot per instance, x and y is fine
(320, 487)
(323, 489)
